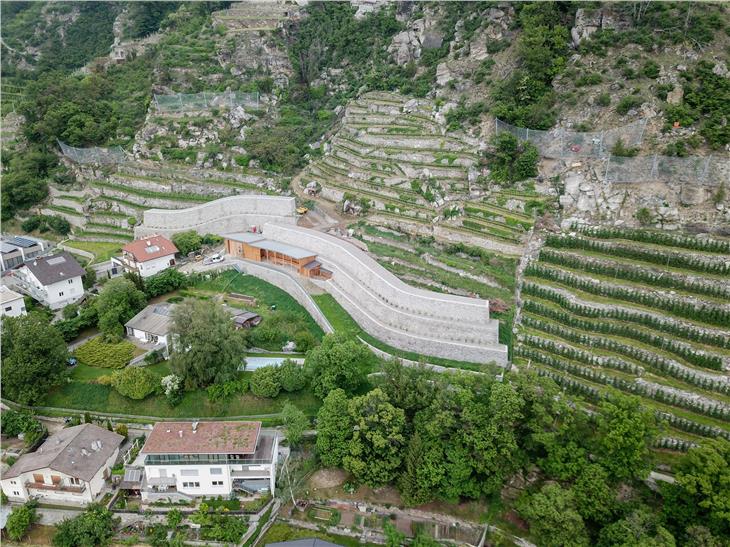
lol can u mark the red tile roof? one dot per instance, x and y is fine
(208, 438)
(149, 248)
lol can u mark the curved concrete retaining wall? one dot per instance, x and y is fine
(405, 317)
(225, 215)
(286, 283)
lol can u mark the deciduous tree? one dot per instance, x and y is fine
(553, 517)
(334, 429)
(117, 303)
(339, 362)
(377, 444)
(207, 348)
(295, 423)
(33, 357)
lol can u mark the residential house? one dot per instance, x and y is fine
(54, 281)
(152, 326)
(15, 250)
(12, 304)
(147, 256)
(70, 467)
(188, 459)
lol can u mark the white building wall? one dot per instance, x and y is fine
(55, 496)
(64, 292)
(14, 308)
(152, 267)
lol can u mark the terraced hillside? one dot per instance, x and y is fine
(111, 201)
(644, 312)
(394, 158)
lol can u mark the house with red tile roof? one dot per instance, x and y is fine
(147, 256)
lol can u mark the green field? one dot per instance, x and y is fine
(101, 250)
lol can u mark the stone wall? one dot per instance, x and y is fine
(222, 216)
(288, 283)
(405, 317)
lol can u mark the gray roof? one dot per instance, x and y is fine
(257, 240)
(7, 295)
(78, 451)
(52, 269)
(244, 237)
(308, 542)
(132, 478)
(245, 316)
(155, 319)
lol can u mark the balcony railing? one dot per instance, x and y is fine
(55, 487)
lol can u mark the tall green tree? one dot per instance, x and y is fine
(553, 517)
(624, 436)
(295, 423)
(377, 444)
(640, 527)
(117, 303)
(334, 429)
(338, 362)
(701, 494)
(595, 499)
(207, 348)
(34, 357)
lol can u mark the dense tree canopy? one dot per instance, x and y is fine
(95, 526)
(117, 303)
(339, 362)
(33, 357)
(334, 429)
(207, 348)
(554, 518)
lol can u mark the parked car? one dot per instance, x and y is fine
(213, 259)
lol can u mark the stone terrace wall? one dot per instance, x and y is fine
(222, 216)
(406, 317)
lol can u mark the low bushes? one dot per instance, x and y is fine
(135, 382)
(657, 238)
(14, 423)
(98, 353)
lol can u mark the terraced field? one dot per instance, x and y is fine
(643, 312)
(393, 156)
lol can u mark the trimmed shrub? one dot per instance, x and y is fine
(135, 382)
(98, 353)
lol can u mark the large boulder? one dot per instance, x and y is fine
(408, 44)
(587, 21)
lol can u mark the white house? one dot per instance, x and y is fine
(12, 304)
(55, 281)
(70, 467)
(187, 459)
(152, 325)
(147, 256)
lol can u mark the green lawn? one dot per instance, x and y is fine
(101, 250)
(91, 397)
(266, 294)
(284, 532)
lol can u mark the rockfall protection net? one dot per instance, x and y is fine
(183, 102)
(94, 154)
(701, 170)
(562, 143)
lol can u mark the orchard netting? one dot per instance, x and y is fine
(94, 154)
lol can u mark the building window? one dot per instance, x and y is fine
(217, 483)
(8, 308)
(70, 281)
(75, 481)
(216, 471)
(191, 485)
(60, 293)
(189, 472)
(16, 493)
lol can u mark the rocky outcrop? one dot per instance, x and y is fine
(408, 44)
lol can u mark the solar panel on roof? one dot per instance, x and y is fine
(162, 310)
(56, 260)
(22, 242)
